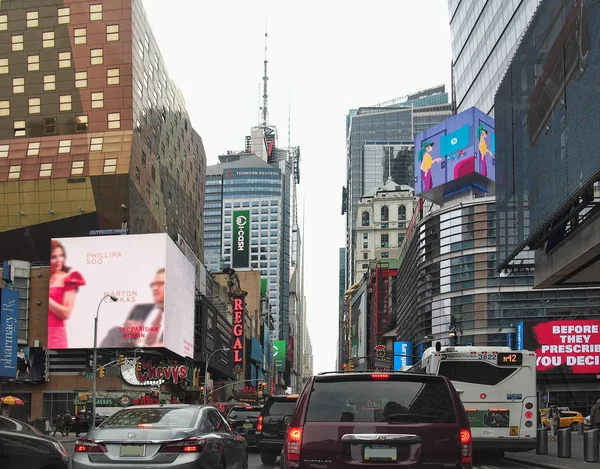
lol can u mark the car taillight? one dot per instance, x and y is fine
(189, 445)
(87, 446)
(380, 375)
(466, 447)
(293, 443)
(259, 424)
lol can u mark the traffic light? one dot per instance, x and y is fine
(101, 371)
(121, 360)
(138, 366)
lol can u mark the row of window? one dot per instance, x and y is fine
(385, 240)
(63, 17)
(64, 146)
(385, 215)
(254, 203)
(20, 126)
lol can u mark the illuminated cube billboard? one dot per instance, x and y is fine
(454, 154)
(149, 276)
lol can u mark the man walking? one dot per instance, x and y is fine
(595, 415)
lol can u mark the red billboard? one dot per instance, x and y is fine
(571, 346)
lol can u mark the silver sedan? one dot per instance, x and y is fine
(161, 436)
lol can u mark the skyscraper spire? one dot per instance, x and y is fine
(265, 112)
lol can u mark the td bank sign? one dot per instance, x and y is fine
(241, 239)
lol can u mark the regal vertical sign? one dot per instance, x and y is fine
(238, 331)
(9, 321)
(241, 239)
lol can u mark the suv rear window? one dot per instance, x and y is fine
(393, 400)
(236, 414)
(280, 407)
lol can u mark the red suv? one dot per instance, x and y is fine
(342, 420)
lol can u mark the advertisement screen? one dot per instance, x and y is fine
(571, 346)
(279, 354)
(241, 239)
(402, 355)
(9, 321)
(149, 276)
(453, 149)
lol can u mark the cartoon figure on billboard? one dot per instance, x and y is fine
(146, 317)
(64, 286)
(426, 163)
(482, 134)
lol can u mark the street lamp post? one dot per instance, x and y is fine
(225, 349)
(113, 298)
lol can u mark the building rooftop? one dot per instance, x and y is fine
(246, 160)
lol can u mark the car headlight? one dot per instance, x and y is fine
(60, 448)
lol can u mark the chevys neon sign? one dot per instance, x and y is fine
(238, 330)
(149, 372)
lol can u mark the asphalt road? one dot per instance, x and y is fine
(255, 462)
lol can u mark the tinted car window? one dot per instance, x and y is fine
(381, 401)
(163, 417)
(477, 372)
(238, 414)
(16, 426)
(280, 407)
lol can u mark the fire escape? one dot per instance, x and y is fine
(379, 301)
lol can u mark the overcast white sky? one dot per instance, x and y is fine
(328, 56)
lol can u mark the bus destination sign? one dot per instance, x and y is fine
(510, 359)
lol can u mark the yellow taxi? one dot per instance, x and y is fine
(568, 418)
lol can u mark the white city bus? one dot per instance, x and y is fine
(498, 390)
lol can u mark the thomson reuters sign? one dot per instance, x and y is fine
(241, 241)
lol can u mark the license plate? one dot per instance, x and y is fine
(132, 451)
(247, 425)
(380, 453)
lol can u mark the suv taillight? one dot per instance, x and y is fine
(293, 443)
(466, 447)
(259, 424)
(189, 445)
(87, 446)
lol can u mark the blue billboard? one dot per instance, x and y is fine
(454, 151)
(402, 355)
(9, 322)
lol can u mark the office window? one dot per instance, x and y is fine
(137, 174)
(401, 237)
(49, 82)
(96, 143)
(80, 79)
(112, 32)
(17, 42)
(45, 170)
(19, 128)
(14, 172)
(35, 106)
(4, 108)
(3, 66)
(110, 165)
(112, 76)
(97, 56)
(114, 120)
(64, 15)
(48, 39)
(33, 63)
(33, 149)
(98, 100)
(77, 168)
(385, 255)
(385, 240)
(143, 159)
(4, 151)
(65, 102)
(401, 212)
(18, 85)
(64, 59)
(365, 255)
(80, 36)
(365, 235)
(366, 219)
(96, 12)
(49, 125)
(385, 213)
(64, 146)
(81, 123)
(3, 22)
(32, 19)
(366, 245)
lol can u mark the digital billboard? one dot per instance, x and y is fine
(402, 355)
(241, 239)
(9, 335)
(149, 276)
(455, 153)
(546, 114)
(279, 354)
(562, 346)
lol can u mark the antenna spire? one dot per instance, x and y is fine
(265, 112)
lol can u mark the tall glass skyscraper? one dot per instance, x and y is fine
(380, 133)
(485, 34)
